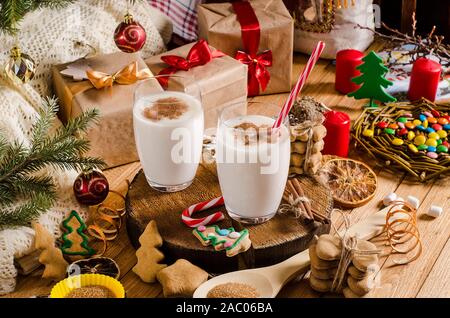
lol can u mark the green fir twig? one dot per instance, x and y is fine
(22, 177)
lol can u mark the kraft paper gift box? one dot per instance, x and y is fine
(222, 81)
(220, 25)
(112, 138)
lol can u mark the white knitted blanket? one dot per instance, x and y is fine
(50, 38)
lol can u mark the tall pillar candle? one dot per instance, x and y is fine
(337, 140)
(346, 63)
(425, 77)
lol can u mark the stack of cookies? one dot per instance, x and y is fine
(307, 133)
(325, 256)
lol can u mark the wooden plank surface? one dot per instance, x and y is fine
(426, 277)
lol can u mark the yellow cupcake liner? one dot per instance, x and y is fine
(64, 287)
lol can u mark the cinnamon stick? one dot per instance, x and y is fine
(298, 187)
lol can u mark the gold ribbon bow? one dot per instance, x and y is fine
(126, 76)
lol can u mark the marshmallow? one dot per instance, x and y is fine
(413, 201)
(435, 211)
(391, 197)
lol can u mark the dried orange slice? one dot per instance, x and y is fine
(352, 182)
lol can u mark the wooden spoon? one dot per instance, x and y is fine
(269, 280)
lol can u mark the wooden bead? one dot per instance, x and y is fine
(297, 160)
(318, 146)
(296, 170)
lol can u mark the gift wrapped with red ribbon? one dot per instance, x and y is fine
(259, 34)
(222, 79)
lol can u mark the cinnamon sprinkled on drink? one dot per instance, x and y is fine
(165, 108)
(261, 131)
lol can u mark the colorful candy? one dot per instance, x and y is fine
(446, 127)
(431, 142)
(420, 127)
(442, 134)
(382, 124)
(397, 142)
(435, 113)
(442, 148)
(422, 117)
(402, 132)
(413, 148)
(402, 120)
(389, 131)
(431, 149)
(434, 135)
(443, 121)
(411, 135)
(417, 122)
(432, 155)
(393, 126)
(422, 147)
(436, 127)
(429, 130)
(432, 120)
(368, 133)
(401, 125)
(410, 125)
(425, 123)
(420, 140)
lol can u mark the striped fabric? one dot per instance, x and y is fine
(183, 14)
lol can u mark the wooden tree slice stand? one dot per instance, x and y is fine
(272, 242)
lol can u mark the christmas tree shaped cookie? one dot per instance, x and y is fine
(372, 80)
(51, 256)
(223, 239)
(148, 255)
(75, 241)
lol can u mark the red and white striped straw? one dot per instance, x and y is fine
(315, 55)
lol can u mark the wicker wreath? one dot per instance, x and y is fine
(400, 158)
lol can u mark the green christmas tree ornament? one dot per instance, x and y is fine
(75, 242)
(372, 80)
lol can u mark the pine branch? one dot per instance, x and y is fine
(13, 11)
(22, 215)
(21, 167)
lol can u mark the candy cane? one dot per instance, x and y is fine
(202, 206)
(299, 85)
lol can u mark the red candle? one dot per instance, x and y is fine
(425, 78)
(346, 63)
(337, 139)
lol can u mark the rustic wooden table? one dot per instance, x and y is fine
(426, 277)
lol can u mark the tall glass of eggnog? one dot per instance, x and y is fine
(168, 129)
(252, 161)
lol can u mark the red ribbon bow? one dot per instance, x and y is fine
(258, 75)
(199, 54)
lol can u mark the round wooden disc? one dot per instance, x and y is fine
(272, 242)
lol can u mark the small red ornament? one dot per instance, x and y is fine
(91, 188)
(129, 35)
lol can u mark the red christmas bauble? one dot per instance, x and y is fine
(129, 35)
(91, 188)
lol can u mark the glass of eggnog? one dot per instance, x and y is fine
(252, 160)
(168, 128)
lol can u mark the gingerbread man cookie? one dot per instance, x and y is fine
(223, 239)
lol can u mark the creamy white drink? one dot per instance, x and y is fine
(168, 129)
(253, 165)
